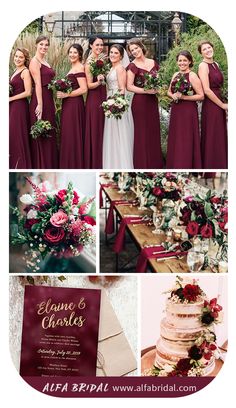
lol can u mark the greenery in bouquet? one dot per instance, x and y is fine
(62, 84)
(41, 128)
(206, 216)
(100, 66)
(115, 106)
(56, 223)
(151, 81)
(162, 186)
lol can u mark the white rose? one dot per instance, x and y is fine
(27, 199)
(32, 214)
(110, 102)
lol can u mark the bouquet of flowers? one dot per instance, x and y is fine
(41, 128)
(10, 89)
(206, 216)
(115, 106)
(151, 81)
(181, 84)
(61, 84)
(101, 66)
(59, 223)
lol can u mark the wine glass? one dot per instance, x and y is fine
(195, 260)
(158, 220)
(121, 184)
(142, 201)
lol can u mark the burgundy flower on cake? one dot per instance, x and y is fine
(191, 292)
(211, 312)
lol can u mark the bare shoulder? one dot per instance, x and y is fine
(203, 66)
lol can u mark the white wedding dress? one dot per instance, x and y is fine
(118, 136)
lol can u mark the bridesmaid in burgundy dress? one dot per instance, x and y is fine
(213, 127)
(73, 113)
(147, 140)
(183, 150)
(44, 150)
(94, 112)
(19, 120)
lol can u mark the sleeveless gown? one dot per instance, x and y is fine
(19, 126)
(147, 139)
(183, 150)
(72, 128)
(94, 127)
(118, 138)
(213, 125)
(44, 149)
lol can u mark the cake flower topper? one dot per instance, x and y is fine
(56, 223)
(189, 325)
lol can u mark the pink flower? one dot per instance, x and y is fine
(89, 220)
(59, 218)
(61, 195)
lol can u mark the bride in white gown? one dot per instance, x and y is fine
(118, 136)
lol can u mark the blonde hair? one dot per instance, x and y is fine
(26, 54)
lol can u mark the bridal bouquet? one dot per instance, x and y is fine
(181, 84)
(57, 223)
(101, 66)
(61, 84)
(151, 81)
(115, 106)
(41, 128)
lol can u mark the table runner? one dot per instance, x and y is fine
(109, 228)
(119, 244)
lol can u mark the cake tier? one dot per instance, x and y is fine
(163, 358)
(171, 332)
(184, 315)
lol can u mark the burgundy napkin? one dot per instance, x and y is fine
(147, 253)
(119, 244)
(109, 229)
(100, 192)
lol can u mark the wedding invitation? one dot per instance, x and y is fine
(60, 331)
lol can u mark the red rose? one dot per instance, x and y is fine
(215, 200)
(186, 215)
(29, 222)
(157, 191)
(206, 231)
(191, 292)
(54, 235)
(61, 196)
(99, 63)
(89, 220)
(192, 228)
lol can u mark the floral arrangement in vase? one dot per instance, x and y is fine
(57, 223)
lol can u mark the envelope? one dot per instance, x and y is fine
(114, 357)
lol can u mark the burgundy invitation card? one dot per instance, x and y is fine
(60, 331)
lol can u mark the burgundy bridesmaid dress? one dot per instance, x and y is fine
(183, 149)
(213, 127)
(72, 128)
(94, 127)
(147, 139)
(19, 126)
(44, 149)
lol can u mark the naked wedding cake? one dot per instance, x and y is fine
(187, 344)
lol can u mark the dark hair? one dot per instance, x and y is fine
(25, 52)
(42, 38)
(138, 42)
(79, 49)
(119, 48)
(186, 54)
(199, 47)
(91, 40)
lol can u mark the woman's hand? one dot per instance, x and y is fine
(151, 91)
(61, 95)
(225, 106)
(176, 96)
(39, 111)
(100, 78)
